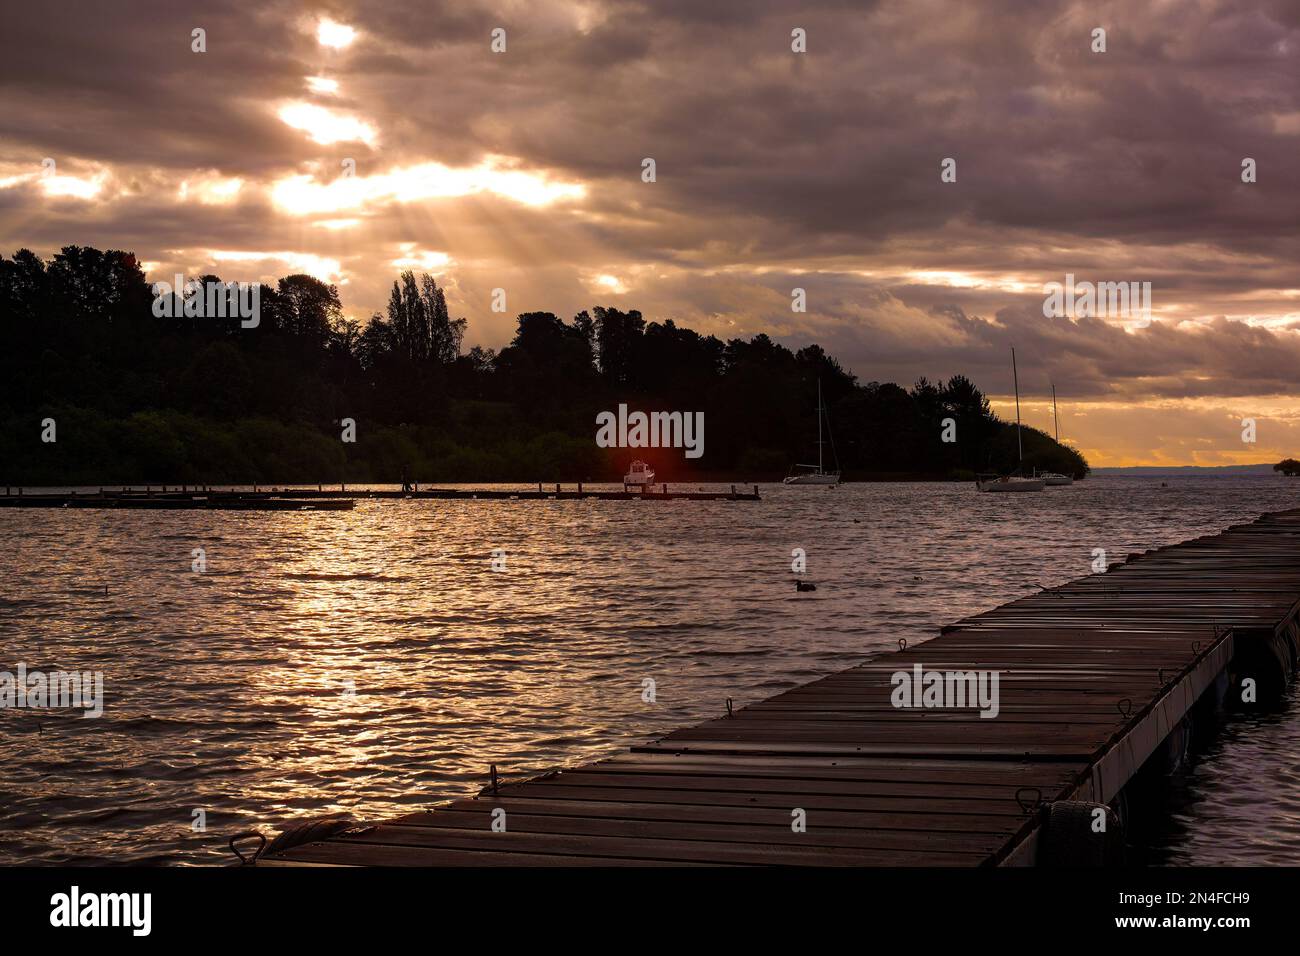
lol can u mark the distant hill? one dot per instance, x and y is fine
(1206, 470)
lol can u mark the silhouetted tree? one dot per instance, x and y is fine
(618, 337)
(140, 396)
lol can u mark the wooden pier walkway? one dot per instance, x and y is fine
(179, 502)
(178, 497)
(1097, 677)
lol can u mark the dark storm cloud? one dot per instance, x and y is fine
(119, 83)
(901, 334)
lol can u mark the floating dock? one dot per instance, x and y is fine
(1099, 678)
(178, 502)
(321, 498)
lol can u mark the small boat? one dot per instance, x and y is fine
(811, 475)
(1010, 483)
(1055, 478)
(816, 474)
(639, 473)
(1013, 482)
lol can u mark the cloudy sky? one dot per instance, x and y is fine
(350, 140)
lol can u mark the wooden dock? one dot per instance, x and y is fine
(179, 502)
(1098, 677)
(322, 498)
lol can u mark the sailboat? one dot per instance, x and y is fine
(1012, 482)
(816, 474)
(1055, 477)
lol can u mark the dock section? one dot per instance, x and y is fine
(320, 498)
(1098, 678)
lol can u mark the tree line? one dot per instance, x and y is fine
(137, 397)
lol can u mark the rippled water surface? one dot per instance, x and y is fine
(373, 661)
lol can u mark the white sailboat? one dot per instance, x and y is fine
(1055, 478)
(816, 474)
(1012, 482)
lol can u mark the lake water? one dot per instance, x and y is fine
(373, 661)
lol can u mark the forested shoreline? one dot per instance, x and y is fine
(134, 397)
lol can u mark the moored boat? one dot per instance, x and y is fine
(1010, 483)
(639, 473)
(811, 475)
(816, 474)
(1055, 478)
(1015, 481)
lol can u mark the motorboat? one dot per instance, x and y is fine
(639, 473)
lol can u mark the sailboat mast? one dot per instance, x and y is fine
(1055, 419)
(819, 426)
(1020, 450)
